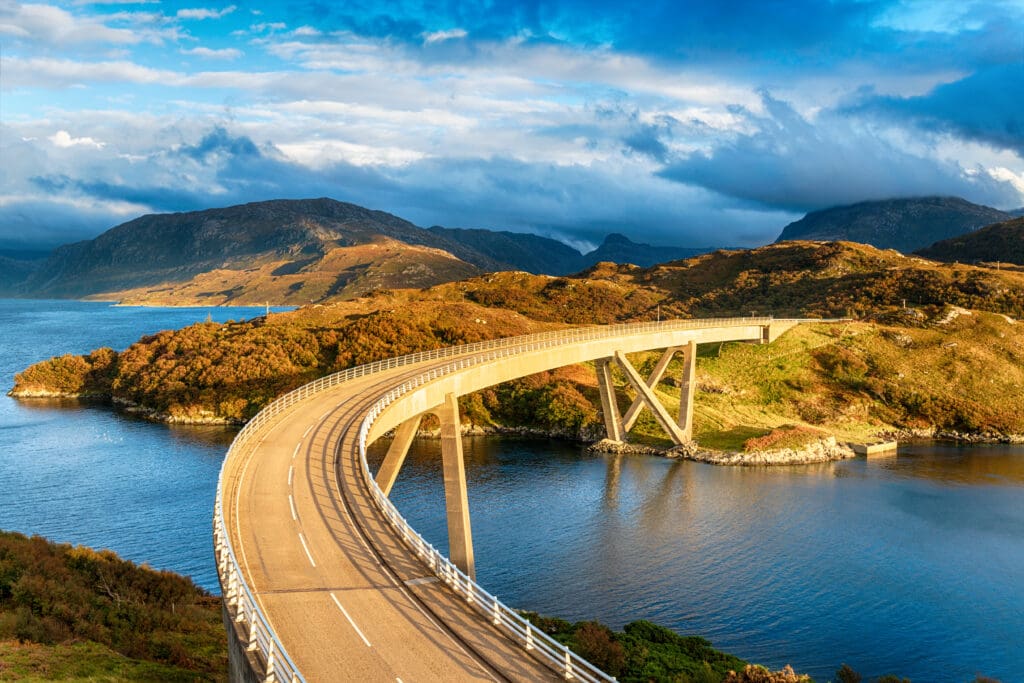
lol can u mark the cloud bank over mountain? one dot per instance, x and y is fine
(680, 123)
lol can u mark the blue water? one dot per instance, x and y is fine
(83, 474)
(911, 565)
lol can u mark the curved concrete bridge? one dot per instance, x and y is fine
(323, 580)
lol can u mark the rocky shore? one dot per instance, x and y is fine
(825, 450)
(934, 434)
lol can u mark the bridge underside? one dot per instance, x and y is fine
(679, 429)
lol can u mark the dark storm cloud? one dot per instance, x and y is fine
(792, 163)
(986, 106)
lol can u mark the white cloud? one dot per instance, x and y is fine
(441, 36)
(63, 139)
(62, 73)
(58, 27)
(1006, 175)
(225, 53)
(268, 26)
(319, 154)
(306, 32)
(205, 13)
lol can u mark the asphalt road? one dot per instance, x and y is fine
(346, 598)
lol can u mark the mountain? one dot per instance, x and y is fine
(292, 252)
(254, 250)
(901, 224)
(1002, 242)
(620, 249)
(1017, 212)
(517, 251)
(16, 267)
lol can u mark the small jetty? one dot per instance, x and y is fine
(875, 450)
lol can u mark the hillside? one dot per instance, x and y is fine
(618, 248)
(901, 224)
(917, 359)
(74, 613)
(262, 251)
(515, 250)
(999, 243)
(14, 270)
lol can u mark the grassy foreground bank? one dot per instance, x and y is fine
(72, 613)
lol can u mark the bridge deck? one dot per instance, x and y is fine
(348, 598)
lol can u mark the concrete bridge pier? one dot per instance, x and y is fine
(613, 423)
(395, 457)
(456, 500)
(453, 465)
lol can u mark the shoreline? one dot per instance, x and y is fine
(137, 304)
(828, 449)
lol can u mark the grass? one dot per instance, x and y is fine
(82, 661)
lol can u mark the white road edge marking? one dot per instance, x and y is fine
(291, 504)
(291, 471)
(398, 680)
(297, 447)
(307, 431)
(345, 612)
(306, 548)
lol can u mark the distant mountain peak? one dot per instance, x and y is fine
(905, 224)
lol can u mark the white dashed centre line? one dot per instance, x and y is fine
(306, 548)
(297, 447)
(291, 504)
(307, 431)
(345, 612)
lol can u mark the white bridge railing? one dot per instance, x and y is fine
(242, 605)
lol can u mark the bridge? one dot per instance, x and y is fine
(324, 580)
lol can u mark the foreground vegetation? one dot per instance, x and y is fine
(74, 613)
(644, 652)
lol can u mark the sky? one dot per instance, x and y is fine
(685, 123)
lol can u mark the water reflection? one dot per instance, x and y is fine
(986, 464)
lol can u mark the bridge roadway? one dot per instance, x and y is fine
(346, 597)
(335, 584)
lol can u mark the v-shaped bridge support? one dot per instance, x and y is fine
(680, 430)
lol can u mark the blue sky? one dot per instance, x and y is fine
(689, 123)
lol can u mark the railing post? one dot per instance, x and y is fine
(253, 639)
(568, 664)
(497, 612)
(271, 675)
